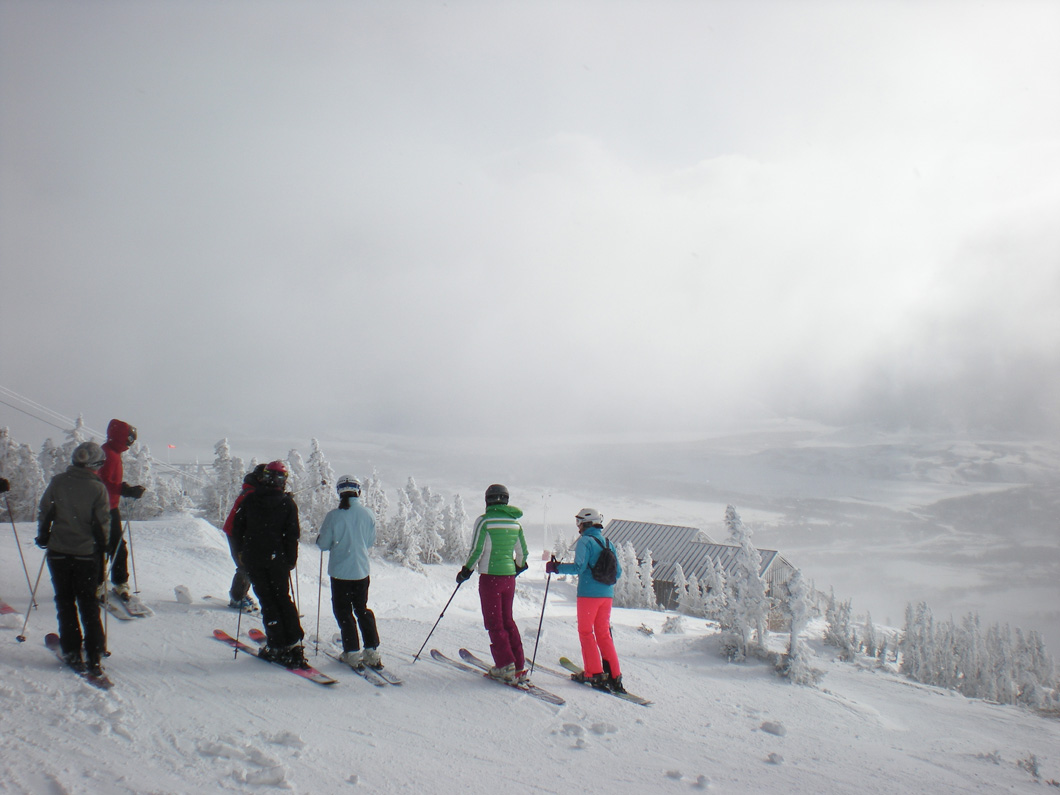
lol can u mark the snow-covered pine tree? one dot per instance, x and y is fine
(224, 485)
(970, 657)
(456, 531)
(296, 478)
(748, 605)
(317, 496)
(563, 551)
(373, 497)
(79, 433)
(713, 590)
(646, 597)
(733, 524)
(795, 665)
(697, 598)
(628, 587)
(838, 631)
(20, 467)
(138, 469)
(51, 460)
(870, 641)
(431, 542)
(679, 596)
(404, 539)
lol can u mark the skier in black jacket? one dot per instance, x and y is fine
(265, 530)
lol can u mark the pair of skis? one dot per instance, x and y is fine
(476, 665)
(379, 677)
(126, 609)
(574, 668)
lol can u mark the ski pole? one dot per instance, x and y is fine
(320, 587)
(239, 628)
(457, 588)
(18, 543)
(132, 552)
(108, 566)
(310, 488)
(21, 638)
(541, 621)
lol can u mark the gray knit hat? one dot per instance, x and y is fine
(88, 454)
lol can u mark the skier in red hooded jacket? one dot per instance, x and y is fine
(120, 437)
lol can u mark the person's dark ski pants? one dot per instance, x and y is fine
(240, 580)
(272, 585)
(74, 582)
(349, 598)
(119, 568)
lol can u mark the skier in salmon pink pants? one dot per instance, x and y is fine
(599, 658)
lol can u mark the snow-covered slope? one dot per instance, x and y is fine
(185, 717)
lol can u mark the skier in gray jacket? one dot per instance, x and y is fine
(73, 525)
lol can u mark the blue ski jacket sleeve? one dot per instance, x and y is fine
(348, 535)
(585, 554)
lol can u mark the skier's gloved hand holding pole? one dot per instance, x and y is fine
(463, 575)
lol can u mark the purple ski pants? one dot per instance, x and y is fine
(496, 593)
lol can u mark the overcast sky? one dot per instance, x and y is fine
(334, 218)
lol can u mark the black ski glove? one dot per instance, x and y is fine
(42, 540)
(520, 569)
(136, 492)
(463, 575)
(4, 485)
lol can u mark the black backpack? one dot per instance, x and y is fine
(605, 570)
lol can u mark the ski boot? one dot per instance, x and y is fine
(73, 659)
(294, 656)
(246, 604)
(505, 673)
(123, 591)
(372, 659)
(614, 684)
(353, 658)
(599, 681)
(522, 678)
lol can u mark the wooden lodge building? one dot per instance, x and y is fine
(692, 548)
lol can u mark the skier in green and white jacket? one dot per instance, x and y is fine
(499, 552)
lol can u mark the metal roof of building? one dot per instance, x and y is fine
(672, 544)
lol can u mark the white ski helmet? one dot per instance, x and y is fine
(588, 516)
(348, 484)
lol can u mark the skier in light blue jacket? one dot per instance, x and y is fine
(348, 532)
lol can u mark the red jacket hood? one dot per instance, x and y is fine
(118, 435)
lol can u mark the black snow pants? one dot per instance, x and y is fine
(272, 584)
(74, 582)
(349, 598)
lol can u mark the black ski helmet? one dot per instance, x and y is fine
(496, 495)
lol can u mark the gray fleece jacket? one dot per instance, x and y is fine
(74, 513)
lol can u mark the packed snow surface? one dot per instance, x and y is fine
(186, 717)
